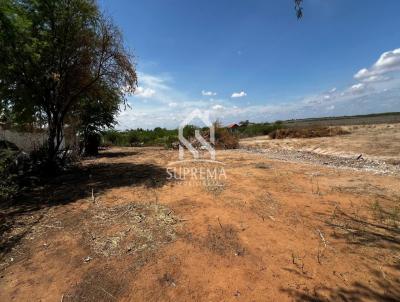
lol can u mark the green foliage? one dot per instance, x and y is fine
(163, 137)
(140, 137)
(189, 131)
(91, 143)
(61, 61)
(8, 174)
(259, 129)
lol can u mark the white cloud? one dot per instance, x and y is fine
(154, 81)
(389, 61)
(208, 93)
(169, 105)
(239, 94)
(376, 78)
(158, 88)
(357, 87)
(142, 92)
(362, 74)
(218, 107)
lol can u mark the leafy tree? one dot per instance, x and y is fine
(189, 131)
(92, 116)
(244, 123)
(61, 61)
(298, 8)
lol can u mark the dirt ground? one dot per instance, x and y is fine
(116, 228)
(381, 142)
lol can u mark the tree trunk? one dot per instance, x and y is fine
(55, 138)
(51, 146)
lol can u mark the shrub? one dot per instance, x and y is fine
(139, 137)
(307, 132)
(170, 141)
(259, 129)
(110, 137)
(8, 173)
(133, 139)
(225, 139)
(91, 144)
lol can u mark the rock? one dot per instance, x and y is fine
(87, 259)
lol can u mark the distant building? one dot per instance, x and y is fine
(232, 127)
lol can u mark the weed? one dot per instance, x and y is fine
(224, 240)
(377, 211)
(298, 262)
(8, 174)
(266, 207)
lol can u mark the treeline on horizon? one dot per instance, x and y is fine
(167, 137)
(344, 117)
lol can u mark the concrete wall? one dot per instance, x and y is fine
(29, 141)
(24, 140)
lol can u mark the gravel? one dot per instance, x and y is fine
(367, 165)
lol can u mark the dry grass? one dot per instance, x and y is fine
(309, 132)
(266, 207)
(224, 240)
(339, 245)
(376, 142)
(386, 213)
(127, 229)
(358, 227)
(224, 139)
(215, 187)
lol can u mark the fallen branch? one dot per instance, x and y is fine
(93, 198)
(53, 226)
(220, 223)
(322, 237)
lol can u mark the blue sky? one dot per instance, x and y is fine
(252, 59)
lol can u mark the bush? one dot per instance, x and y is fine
(307, 132)
(110, 137)
(163, 137)
(133, 139)
(91, 144)
(170, 141)
(38, 162)
(8, 175)
(139, 137)
(225, 139)
(259, 129)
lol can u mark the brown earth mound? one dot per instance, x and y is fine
(307, 132)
